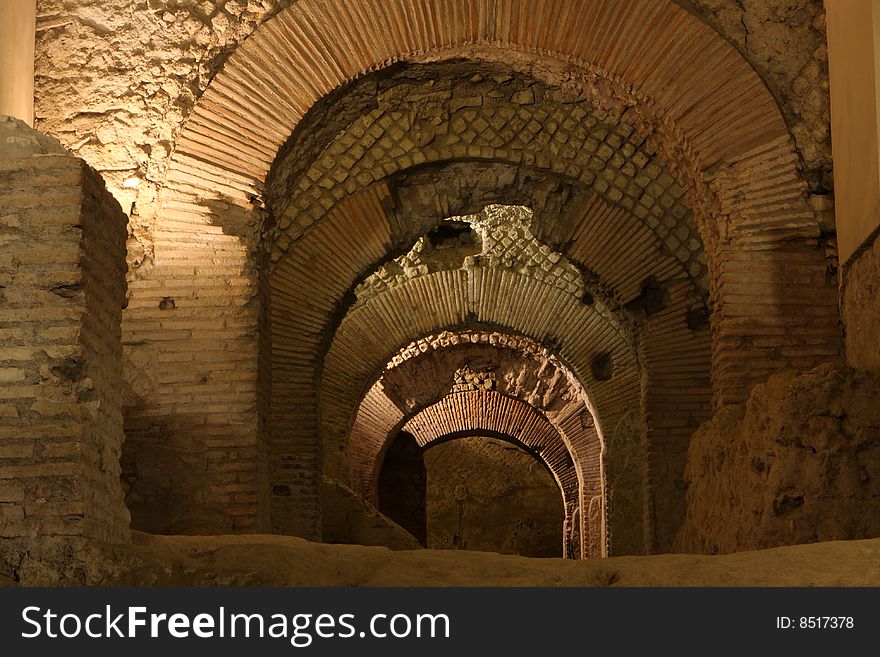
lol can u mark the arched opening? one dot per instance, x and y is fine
(440, 384)
(475, 492)
(662, 276)
(403, 481)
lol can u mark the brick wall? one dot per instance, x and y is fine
(62, 289)
(190, 338)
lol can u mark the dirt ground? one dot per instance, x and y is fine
(263, 560)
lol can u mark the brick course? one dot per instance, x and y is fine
(63, 290)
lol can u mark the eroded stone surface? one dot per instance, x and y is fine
(499, 238)
(860, 306)
(799, 462)
(116, 79)
(17, 141)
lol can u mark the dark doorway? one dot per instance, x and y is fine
(402, 486)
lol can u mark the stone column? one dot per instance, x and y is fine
(17, 34)
(854, 68)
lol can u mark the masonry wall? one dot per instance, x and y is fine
(861, 305)
(190, 329)
(190, 346)
(489, 495)
(62, 289)
(795, 462)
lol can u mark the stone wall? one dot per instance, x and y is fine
(490, 495)
(116, 83)
(860, 305)
(798, 463)
(116, 79)
(62, 290)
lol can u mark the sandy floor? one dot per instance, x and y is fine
(287, 561)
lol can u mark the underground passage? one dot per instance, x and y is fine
(438, 285)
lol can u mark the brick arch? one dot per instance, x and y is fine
(688, 82)
(678, 81)
(357, 233)
(579, 334)
(420, 376)
(482, 412)
(651, 63)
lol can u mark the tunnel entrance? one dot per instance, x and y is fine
(402, 486)
(474, 493)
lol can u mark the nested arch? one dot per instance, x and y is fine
(490, 413)
(649, 65)
(448, 362)
(670, 87)
(437, 383)
(312, 48)
(370, 332)
(373, 332)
